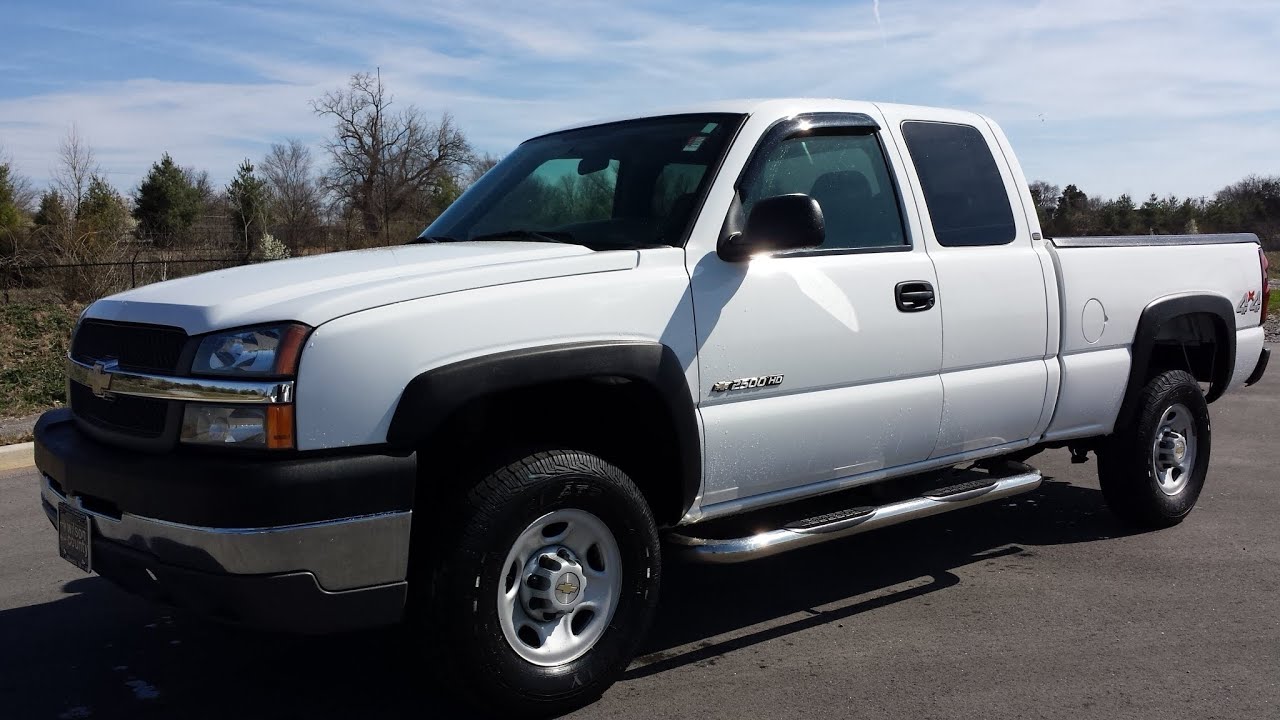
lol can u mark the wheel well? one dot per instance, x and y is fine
(1196, 342)
(624, 421)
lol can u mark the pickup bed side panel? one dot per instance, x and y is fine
(1105, 291)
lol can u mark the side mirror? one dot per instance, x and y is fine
(779, 223)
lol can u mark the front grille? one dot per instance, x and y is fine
(139, 348)
(140, 417)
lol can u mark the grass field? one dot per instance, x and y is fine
(33, 342)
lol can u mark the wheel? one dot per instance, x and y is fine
(550, 584)
(1152, 470)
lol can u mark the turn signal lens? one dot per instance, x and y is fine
(280, 427)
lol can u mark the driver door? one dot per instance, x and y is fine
(850, 374)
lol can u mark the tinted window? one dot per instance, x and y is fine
(632, 184)
(848, 177)
(677, 184)
(962, 186)
(555, 194)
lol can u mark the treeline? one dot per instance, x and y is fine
(1250, 205)
(382, 175)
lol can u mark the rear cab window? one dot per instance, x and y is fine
(967, 199)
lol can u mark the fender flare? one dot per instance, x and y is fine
(432, 397)
(1153, 319)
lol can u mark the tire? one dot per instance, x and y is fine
(1144, 479)
(484, 585)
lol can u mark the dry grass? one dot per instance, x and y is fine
(33, 343)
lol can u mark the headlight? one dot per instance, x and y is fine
(268, 426)
(266, 350)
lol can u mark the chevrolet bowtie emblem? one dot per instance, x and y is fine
(100, 377)
(567, 587)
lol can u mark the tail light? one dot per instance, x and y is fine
(1266, 286)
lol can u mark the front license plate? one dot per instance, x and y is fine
(75, 537)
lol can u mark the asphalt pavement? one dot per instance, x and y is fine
(1039, 607)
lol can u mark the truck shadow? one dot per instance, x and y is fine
(101, 653)
(709, 610)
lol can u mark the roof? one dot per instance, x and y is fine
(751, 106)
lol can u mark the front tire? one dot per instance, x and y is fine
(1152, 471)
(551, 583)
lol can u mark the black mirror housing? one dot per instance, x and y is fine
(777, 224)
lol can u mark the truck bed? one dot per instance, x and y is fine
(1105, 284)
(1143, 240)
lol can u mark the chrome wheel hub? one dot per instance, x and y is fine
(1173, 454)
(554, 583)
(561, 583)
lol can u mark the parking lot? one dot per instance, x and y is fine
(1037, 607)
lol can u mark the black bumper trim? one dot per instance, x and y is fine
(1260, 368)
(224, 491)
(289, 602)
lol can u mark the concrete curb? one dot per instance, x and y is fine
(17, 456)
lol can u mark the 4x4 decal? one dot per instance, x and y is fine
(1251, 302)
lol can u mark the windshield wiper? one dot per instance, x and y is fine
(551, 236)
(434, 239)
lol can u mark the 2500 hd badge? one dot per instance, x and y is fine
(747, 383)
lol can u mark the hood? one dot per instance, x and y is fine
(319, 288)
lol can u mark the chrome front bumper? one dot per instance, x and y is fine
(343, 554)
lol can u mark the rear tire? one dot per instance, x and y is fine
(548, 584)
(1152, 470)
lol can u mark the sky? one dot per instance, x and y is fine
(1136, 96)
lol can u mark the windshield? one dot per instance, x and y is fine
(625, 185)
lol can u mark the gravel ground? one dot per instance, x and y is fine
(17, 429)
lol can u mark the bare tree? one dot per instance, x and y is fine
(75, 168)
(481, 165)
(288, 169)
(198, 178)
(383, 160)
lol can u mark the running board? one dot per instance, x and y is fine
(852, 521)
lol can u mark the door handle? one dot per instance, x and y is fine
(914, 296)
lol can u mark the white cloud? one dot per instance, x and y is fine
(1140, 95)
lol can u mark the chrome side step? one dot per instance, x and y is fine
(852, 521)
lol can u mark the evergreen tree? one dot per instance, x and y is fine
(10, 214)
(53, 212)
(104, 214)
(166, 204)
(250, 201)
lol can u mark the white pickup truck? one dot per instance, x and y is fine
(725, 332)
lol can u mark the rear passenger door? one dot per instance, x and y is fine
(991, 289)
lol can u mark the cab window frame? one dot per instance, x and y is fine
(816, 125)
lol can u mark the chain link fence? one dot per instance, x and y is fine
(69, 281)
